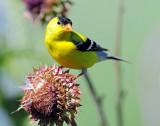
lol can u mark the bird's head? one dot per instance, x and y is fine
(59, 27)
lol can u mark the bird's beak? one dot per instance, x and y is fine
(68, 27)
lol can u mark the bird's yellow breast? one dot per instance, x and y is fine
(66, 54)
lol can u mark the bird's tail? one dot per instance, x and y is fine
(117, 58)
(103, 56)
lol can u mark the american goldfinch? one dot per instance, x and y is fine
(71, 49)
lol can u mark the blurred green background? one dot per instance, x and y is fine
(22, 47)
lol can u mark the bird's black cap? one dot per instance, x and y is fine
(65, 20)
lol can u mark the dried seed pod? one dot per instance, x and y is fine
(51, 96)
(45, 10)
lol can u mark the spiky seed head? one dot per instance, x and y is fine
(51, 95)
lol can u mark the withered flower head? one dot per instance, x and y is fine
(51, 96)
(45, 10)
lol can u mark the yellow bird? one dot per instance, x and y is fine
(71, 49)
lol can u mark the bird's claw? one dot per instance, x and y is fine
(84, 71)
(79, 75)
(61, 66)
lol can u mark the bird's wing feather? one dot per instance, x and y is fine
(85, 44)
(89, 45)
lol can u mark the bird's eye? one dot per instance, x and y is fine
(58, 23)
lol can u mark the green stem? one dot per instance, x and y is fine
(73, 122)
(118, 73)
(97, 101)
(51, 123)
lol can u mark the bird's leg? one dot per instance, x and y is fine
(84, 71)
(61, 66)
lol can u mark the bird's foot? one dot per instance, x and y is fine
(84, 71)
(61, 66)
(79, 75)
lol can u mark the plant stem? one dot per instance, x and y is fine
(73, 122)
(118, 73)
(97, 101)
(51, 123)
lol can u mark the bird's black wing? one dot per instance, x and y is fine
(89, 45)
